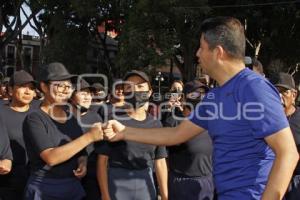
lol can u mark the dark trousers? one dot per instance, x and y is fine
(125, 184)
(38, 188)
(91, 187)
(12, 186)
(190, 188)
(293, 192)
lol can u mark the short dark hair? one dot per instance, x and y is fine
(227, 32)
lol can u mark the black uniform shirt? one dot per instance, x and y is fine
(133, 155)
(41, 133)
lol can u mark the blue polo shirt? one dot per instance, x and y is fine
(238, 116)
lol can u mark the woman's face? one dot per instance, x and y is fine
(58, 91)
(119, 89)
(83, 98)
(176, 87)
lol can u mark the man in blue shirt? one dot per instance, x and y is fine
(254, 150)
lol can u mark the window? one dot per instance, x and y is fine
(27, 57)
(10, 54)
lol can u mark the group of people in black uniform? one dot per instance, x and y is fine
(53, 148)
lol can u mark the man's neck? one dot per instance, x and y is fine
(19, 107)
(228, 71)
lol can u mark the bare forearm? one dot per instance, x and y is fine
(162, 177)
(63, 153)
(155, 136)
(280, 176)
(102, 176)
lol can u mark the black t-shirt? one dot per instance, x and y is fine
(294, 121)
(86, 121)
(108, 110)
(14, 122)
(133, 155)
(41, 133)
(3, 102)
(5, 150)
(36, 103)
(192, 158)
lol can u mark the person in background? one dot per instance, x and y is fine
(115, 104)
(257, 67)
(81, 100)
(176, 86)
(125, 169)
(190, 163)
(99, 97)
(287, 89)
(4, 91)
(55, 141)
(21, 88)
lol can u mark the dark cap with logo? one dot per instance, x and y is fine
(21, 77)
(55, 72)
(286, 81)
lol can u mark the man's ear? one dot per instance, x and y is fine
(219, 52)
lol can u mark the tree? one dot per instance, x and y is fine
(152, 29)
(11, 24)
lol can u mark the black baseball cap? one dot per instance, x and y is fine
(192, 86)
(55, 72)
(286, 81)
(141, 74)
(21, 77)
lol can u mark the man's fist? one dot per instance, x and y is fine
(113, 131)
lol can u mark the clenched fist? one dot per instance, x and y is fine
(113, 131)
(5, 166)
(96, 132)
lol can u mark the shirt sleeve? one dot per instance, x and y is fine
(262, 108)
(5, 150)
(160, 151)
(35, 131)
(102, 148)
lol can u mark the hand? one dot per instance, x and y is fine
(81, 170)
(96, 132)
(5, 166)
(113, 131)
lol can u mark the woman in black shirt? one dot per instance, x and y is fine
(190, 163)
(125, 169)
(54, 141)
(81, 100)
